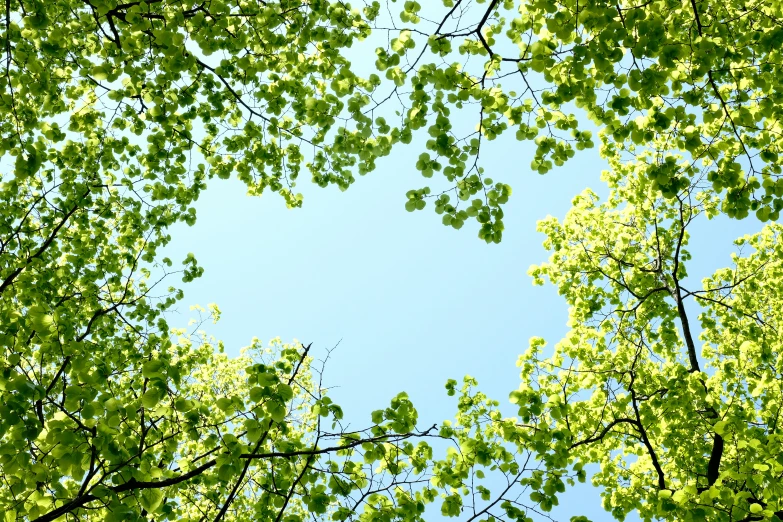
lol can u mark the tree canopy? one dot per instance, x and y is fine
(113, 117)
(679, 433)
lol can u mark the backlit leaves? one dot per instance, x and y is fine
(114, 115)
(681, 431)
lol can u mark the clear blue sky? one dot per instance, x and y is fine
(411, 302)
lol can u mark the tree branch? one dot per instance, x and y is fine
(13, 275)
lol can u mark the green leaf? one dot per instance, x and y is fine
(152, 368)
(183, 405)
(151, 499)
(88, 411)
(226, 472)
(276, 410)
(285, 392)
(151, 398)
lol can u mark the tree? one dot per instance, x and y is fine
(701, 74)
(115, 114)
(679, 433)
(114, 117)
(283, 93)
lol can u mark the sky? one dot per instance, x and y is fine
(411, 303)
(404, 302)
(408, 302)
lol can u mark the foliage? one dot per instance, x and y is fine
(679, 434)
(111, 125)
(263, 89)
(696, 76)
(113, 117)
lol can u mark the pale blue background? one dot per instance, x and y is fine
(411, 302)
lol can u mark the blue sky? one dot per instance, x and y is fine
(405, 296)
(411, 303)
